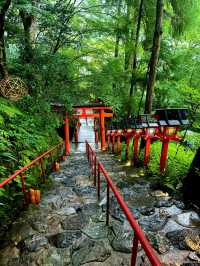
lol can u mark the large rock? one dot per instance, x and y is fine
(64, 239)
(35, 243)
(116, 259)
(39, 226)
(54, 202)
(49, 256)
(159, 242)
(154, 222)
(96, 230)
(147, 211)
(174, 257)
(171, 226)
(185, 239)
(121, 237)
(188, 219)
(19, 231)
(83, 191)
(164, 202)
(66, 211)
(88, 250)
(72, 222)
(54, 224)
(123, 242)
(8, 255)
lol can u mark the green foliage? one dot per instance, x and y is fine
(179, 161)
(28, 129)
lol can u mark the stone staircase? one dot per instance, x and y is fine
(68, 226)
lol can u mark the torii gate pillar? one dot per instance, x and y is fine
(102, 130)
(67, 141)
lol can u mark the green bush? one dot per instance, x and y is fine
(178, 163)
(27, 129)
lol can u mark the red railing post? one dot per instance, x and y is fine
(42, 167)
(113, 143)
(118, 143)
(127, 146)
(108, 141)
(107, 203)
(102, 129)
(33, 162)
(96, 136)
(51, 158)
(95, 169)
(147, 151)
(135, 152)
(22, 176)
(67, 141)
(134, 250)
(99, 183)
(93, 159)
(89, 159)
(87, 150)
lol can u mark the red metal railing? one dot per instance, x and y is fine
(20, 172)
(139, 237)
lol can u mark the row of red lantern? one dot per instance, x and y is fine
(164, 134)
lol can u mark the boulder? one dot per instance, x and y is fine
(185, 239)
(89, 250)
(35, 243)
(64, 239)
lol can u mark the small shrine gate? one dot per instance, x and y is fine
(88, 111)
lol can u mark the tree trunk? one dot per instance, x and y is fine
(117, 39)
(191, 183)
(134, 65)
(127, 53)
(116, 54)
(3, 67)
(27, 20)
(151, 71)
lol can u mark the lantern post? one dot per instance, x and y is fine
(167, 134)
(108, 139)
(128, 134)
(113, 140)
(170, 121)
(137, 135)
(150, 134)
(163, 157)
(119, 133)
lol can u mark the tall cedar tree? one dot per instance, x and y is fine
(3, 9)
(151, 71)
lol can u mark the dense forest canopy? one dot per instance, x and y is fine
(67, 50)
(136, 55)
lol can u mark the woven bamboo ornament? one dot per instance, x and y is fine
(13, 88)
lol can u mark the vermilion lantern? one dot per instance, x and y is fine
(170, 121)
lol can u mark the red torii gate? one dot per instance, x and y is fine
(81, 112)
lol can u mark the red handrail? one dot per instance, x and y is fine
(138, 233)
(22, 169)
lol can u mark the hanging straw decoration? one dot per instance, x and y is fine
(13, 88)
